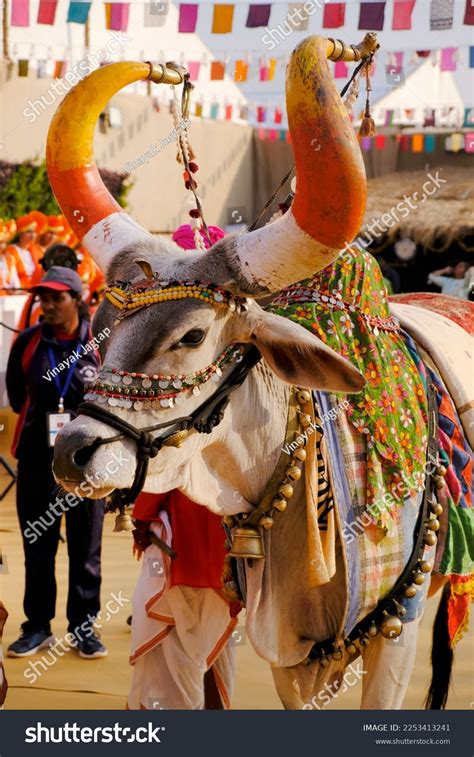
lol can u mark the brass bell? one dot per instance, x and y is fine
(425, 566)
(440, 483)
(324, 662)
(373, 630)
(247, 542)
(441, 470)
(437, 509)
(123, 522)
(300, 454)
(303, 396)
(364, 640)
(305, 420)
(280, 504)
(266, 522)
(430, 539)
(351, 647)
(419, 579)
(337, 654)
(432, 524)
(293, 473)
(401, 610)
(410, 591)
(176, 439)
(391, 627)
(286, 491)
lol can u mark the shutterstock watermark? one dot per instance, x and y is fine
(71, 639)
(37, 528)
(59, 87)
(332, 690)
(294, 18)
(379, 226)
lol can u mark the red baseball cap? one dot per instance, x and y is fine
(61, 279)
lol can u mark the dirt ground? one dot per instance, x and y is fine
(74, 683)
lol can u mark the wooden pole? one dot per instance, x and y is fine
(6, 46)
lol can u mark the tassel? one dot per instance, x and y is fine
(367, 127)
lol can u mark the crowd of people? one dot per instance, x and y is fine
(24, 242)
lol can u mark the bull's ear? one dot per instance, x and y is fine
(295, 355)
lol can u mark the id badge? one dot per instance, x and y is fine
(56, 421)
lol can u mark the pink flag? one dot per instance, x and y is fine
(264, 69)
(402, 10)
(398, 59)
(47, 12)
(278, 115)
(20, 13)
(187, 18)
(116, 16)
(340, 70)
(193, 69)
(228, 112)
(469, 142)
(448, 62)
(261, 114)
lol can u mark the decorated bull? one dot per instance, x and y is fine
(204, 391)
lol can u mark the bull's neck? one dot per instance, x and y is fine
(248, 442)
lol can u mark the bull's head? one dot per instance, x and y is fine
(176, 337)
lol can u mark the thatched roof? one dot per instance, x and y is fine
(446, 215)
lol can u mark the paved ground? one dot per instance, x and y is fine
(73, 683)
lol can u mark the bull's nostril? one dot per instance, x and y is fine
(83, 455)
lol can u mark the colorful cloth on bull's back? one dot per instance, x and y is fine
(346, 305)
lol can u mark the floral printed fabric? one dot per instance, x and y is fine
(346, 306)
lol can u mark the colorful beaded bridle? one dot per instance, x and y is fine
(142, 391)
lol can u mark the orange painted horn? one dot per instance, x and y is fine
(331, 186)
(91, 211)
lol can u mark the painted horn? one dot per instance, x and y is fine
(94, 215)
(331, 186)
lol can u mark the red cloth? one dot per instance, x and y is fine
(402, 10)
(333, 15)
(469, 13)
(198, 538)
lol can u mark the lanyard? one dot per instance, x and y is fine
(67, 382)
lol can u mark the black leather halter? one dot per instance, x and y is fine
(206, 417)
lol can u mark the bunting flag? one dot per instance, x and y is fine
(448, 60)
(379, 141)
(263, 71)
(398, 56)
(41, 68)
(271, 68)
(282, 135)
(198, 110)
(417, 143)
(116, 16)
(297, 17)
(261, 133)
(468, 117)
(194, 67)
(366, 143)
(469, 142)
(214, 110)
(340, 70)
(388, 117)
(423, 53)
(469, 13)
(244, 112)
(429, 117)
(441, 14)
(228, 112)
(272, 135)
(258, 15)
(372, 16)
(78, 12)
(47, 12)
(402, 10)
(334, 15)
(217, 70)
(278, 116)
(223, 19)
(405, 143)
(430, 142)
(187, 18)
(20, 13)
(241, 70)
(261, 114)
(60, 68)
(23, 67)
(155, 13)
(471, 57)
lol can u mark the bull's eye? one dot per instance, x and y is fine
(193, 337)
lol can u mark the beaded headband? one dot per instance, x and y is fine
(132, 296)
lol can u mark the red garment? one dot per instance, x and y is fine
(198, 538)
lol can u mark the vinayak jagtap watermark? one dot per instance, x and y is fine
(59, 87)
(145, 157)
(82, 349)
